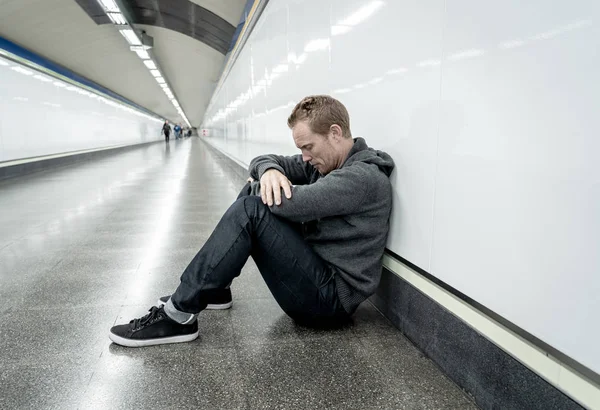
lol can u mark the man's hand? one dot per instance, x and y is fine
(271, 183)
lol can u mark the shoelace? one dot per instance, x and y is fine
(149, 318)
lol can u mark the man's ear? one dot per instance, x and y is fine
(336, 132)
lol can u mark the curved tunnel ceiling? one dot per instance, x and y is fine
(183, 16)
(63, 32)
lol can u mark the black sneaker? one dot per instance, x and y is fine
(155, 328)
(218, 299)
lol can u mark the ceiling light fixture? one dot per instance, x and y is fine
(117, 18)
(143, 54)
(139, 43)
(150, 64)
(109, 5)
(131, 37)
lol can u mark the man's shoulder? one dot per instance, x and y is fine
(363, 169)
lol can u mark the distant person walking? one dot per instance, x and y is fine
(177, 131)
(166, 129)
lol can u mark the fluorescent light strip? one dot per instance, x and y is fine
(160, 80)
(131, 37)
(109, 6)
(150, 64)
(117, 18)
(155, 73)
(143, 54)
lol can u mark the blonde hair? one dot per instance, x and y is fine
(321, 111)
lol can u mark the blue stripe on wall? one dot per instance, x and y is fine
(236, 34)
(17, 50)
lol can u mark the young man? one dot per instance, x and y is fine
(316, 225)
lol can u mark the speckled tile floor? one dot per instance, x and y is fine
(88, 245)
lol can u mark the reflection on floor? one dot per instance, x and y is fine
(93, 244)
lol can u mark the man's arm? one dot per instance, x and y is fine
(341, 192)
(296, 170)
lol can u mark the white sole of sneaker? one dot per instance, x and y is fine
(152, 342)
(208, 307)
(220, 307)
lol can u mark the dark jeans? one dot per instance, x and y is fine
(301, 282)
(167, 137)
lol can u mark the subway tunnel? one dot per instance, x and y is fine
(128, 129)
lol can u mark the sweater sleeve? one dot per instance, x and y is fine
(296, 170)
(341, 192)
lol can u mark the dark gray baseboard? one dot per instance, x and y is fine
(34, 165)
(487, 373)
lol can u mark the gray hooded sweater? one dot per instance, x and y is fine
(348, 211)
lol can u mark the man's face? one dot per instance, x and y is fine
(320, 151)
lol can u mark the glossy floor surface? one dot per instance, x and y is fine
(93, 244)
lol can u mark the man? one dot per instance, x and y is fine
(177, 131)
(316, 228)
(166, 129)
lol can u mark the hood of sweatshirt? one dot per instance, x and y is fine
(361, 152)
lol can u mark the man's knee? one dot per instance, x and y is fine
(251, 205)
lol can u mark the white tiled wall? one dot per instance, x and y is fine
(490, 111)
(40, 115)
